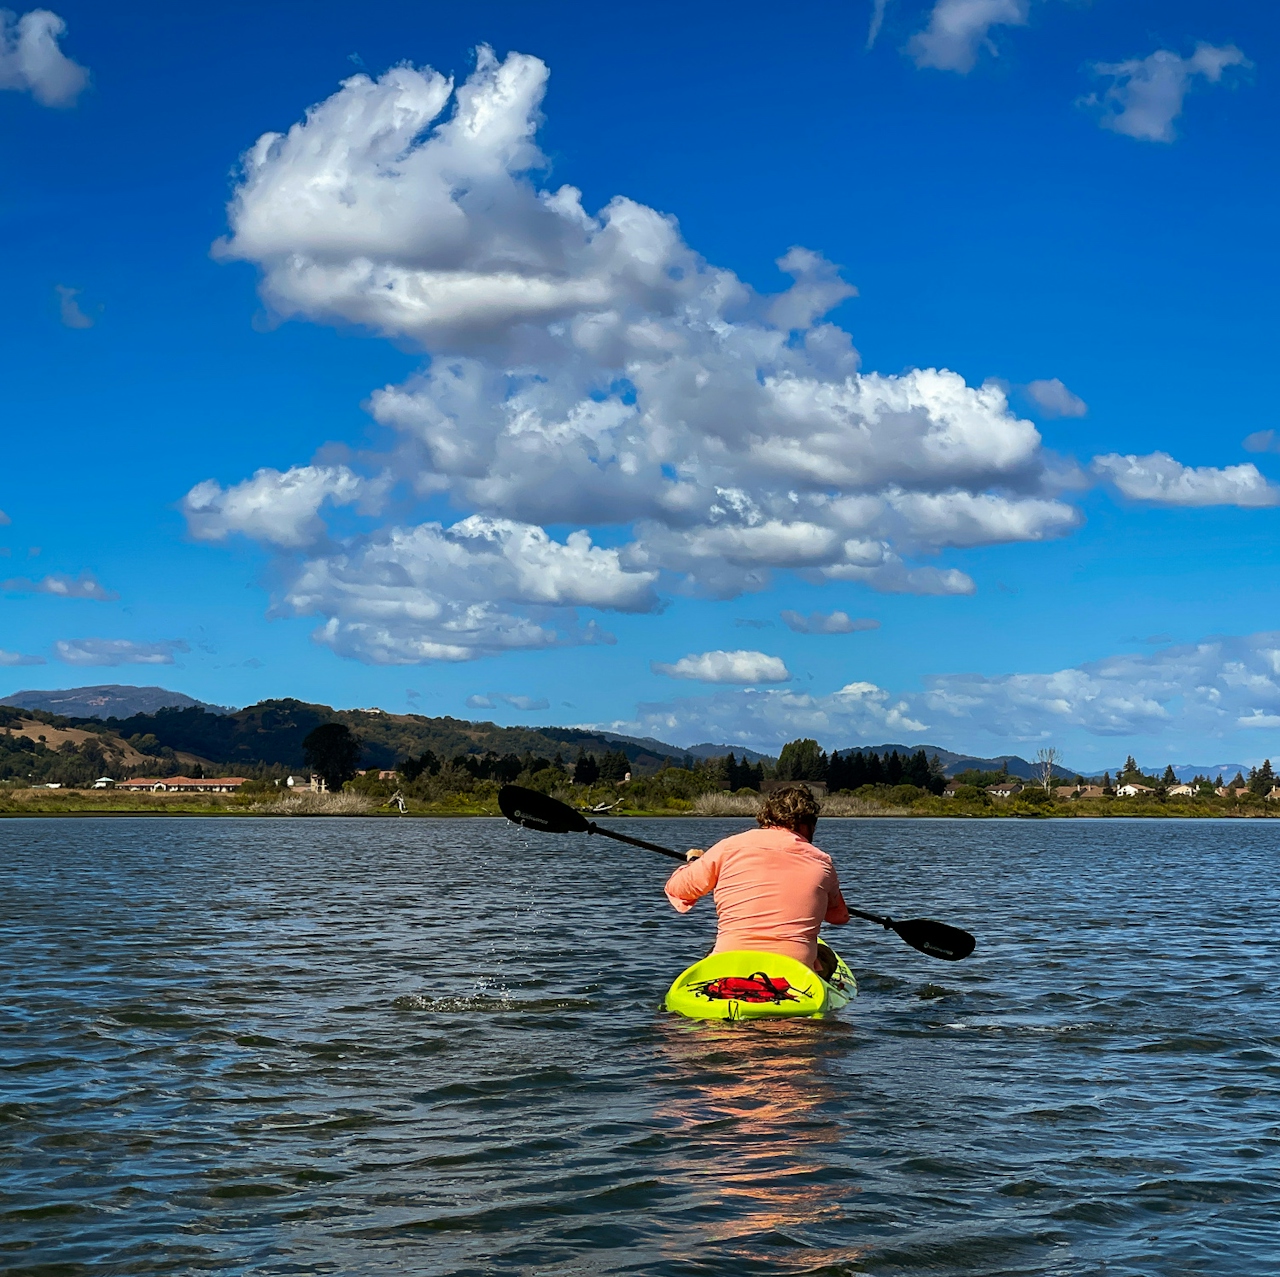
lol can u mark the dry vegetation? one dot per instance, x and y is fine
(309, 804)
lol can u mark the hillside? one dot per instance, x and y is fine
(105, 701)
(271, 733)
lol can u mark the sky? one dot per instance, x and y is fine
(885, 371)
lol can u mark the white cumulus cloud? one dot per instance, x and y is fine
(281, 509)
(31, 61)
(1161, 480)
(1208, 688)
(1146, 94)
(99, 651)
(827, 622)
(477, 588)
(1184, 695)
(1055, 400)
(959, 28)
(726, 667)
(589, 368)
(765, 719)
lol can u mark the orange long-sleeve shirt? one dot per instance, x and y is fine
(773, 891)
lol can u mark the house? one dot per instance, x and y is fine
(384, 774)
(104, 782)
(185, 784)
(1182, 791)
(1064, 792)
(949, 790)
(1133, 790)
(1005, 789)
(1091, 791)
(1274, 793)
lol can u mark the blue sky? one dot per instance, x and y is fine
(484, 392)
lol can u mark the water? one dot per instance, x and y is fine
(434, 1047)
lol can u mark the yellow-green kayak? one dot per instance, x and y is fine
(743, 984)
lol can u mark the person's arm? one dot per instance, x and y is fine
(691, 882)
(837, 911)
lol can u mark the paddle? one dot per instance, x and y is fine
(537, 811)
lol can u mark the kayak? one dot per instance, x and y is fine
(743, 984)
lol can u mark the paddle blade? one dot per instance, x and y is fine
(533, 810)
(936, 938)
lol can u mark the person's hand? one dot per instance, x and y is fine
(693, 853)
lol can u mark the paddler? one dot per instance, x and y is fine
(773, 888)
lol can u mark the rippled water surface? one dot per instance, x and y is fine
(365, 1046)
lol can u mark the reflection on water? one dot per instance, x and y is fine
(756, 1101)
(368, 1047)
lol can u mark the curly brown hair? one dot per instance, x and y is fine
(790, 808)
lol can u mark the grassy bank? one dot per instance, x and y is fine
(901, 800)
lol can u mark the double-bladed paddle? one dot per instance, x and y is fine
(548, 815)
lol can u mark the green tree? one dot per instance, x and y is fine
(802, 760)
(1169, 777)
(586, 771)
(614, 766)
(1262, 779)
(332, 750)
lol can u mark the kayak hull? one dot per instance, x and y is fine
(706, 990)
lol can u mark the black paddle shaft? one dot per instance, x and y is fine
(593, 828)
(532, 810)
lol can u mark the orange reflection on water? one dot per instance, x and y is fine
(755, 1123)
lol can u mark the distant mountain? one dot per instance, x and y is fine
(1189, 771)
(657, 748)
(111, 700)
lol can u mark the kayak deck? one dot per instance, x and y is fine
(744, 984)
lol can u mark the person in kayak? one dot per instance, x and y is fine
(773, 888)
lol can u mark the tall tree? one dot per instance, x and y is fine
(332, 750)
(586, 771)
(802, 760)
(1047, 761)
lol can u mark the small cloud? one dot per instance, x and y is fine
(18, 658)
(492, 700)
(69, 309)
(412, 694)
(82, 587)
(747, 623)
(31, 62)
(877, 20)
(33, 552)
(1262, 441)
(1146, 94)
(959, 28)
(828, 623)
(726, 667)
(1160, 479)
(98, 651)
(1257, 718)
(1055, 400)
(252, 663)
(4, 519)
(1157, 640)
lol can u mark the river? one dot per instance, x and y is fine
(353, 1046)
